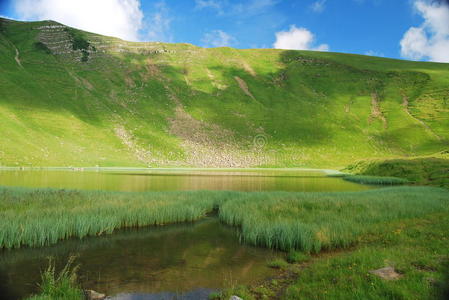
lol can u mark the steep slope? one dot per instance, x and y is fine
(73, 98)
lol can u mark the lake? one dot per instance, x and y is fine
(180, 179)
(183, 261)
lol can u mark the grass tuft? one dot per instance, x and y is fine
(62, 285)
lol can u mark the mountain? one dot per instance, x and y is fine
(74, 98)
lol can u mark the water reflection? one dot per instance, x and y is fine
(181, 261)
(169, 180)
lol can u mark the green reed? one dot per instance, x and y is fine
(314, 221)
(282, 220)
(38, 217)
(377, 180)
(62, 285)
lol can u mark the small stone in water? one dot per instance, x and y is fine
(93, 295)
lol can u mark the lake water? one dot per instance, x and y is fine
(185, 261)
(180, 179)
(188, 261)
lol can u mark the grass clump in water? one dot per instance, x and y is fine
(377, 180)
(62, 285)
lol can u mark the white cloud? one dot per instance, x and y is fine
(430, 40)
(374, 53)
(213, 4)
(218, 38)
(119, 18)
(318, 6)
(159, 24)
(253, 7)
(247, 8)
(297, 39)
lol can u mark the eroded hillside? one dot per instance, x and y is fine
(72, 98)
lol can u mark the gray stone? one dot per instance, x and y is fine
(93, 295)
(235, 298)
(387, 273)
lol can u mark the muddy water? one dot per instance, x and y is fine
(178, 261)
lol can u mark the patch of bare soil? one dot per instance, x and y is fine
(244, 87)
(247, 67)
(151, 69)
(376, 112)
(17, 58)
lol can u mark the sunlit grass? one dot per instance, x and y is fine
(308, 222)
(314, 221)
(60, 285)
(39, 217)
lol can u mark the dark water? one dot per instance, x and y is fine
(174, 262)
(181, 179)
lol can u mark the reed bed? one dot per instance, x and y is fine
(311, 222)
(308, 222)
(377, 180)
(39, 217)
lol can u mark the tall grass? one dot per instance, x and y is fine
(314, 221)
(283, 220)
(378, 180)
(59, 285)
(39, 217)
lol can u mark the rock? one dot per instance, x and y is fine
(387, 273)
(93, 295)
(235, 298)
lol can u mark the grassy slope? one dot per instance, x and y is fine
(423, 171)
(313, 108)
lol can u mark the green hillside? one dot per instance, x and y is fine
(73, 98)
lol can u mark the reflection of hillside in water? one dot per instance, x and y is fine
(174, 259)
(167, 180)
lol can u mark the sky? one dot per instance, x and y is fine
(407, 29)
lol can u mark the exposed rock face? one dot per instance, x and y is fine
(387, 273)
(235, 298)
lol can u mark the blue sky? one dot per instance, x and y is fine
(412, 29)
